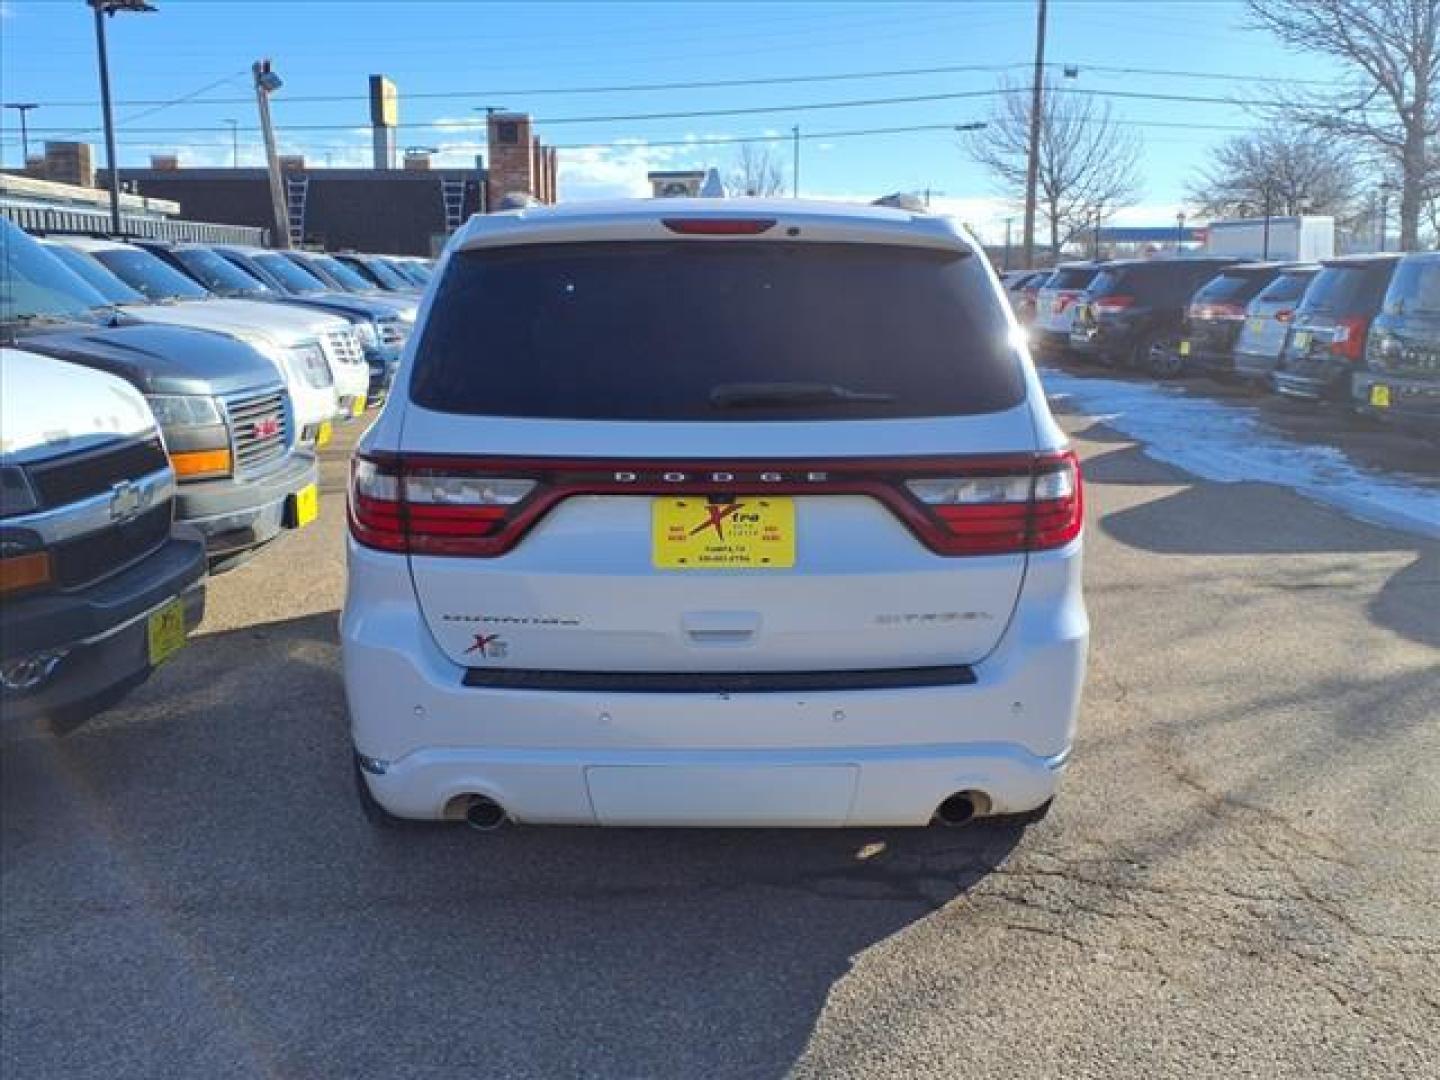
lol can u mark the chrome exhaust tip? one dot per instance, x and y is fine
(485, 814)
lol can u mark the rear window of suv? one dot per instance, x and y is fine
(1072, 278)
(1228, 287)
(1415, 289)
(1287, 287)
(651, 330)
(1341, 289)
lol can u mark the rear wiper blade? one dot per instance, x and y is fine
(761, 395)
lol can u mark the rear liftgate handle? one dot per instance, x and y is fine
(720, 627)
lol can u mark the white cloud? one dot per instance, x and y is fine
(618, 172)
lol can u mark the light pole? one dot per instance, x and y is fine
(266, 83)
(234, 141)
(1008, 222)
(103, 8)
(795, 170)
(1179, 230)
(1386, 186)
(22, 108)
(1032, 157)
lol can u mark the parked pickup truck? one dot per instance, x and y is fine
(228, 423)
(99, 584)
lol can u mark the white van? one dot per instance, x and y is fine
(707, 512)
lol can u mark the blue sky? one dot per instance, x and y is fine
(469, 55)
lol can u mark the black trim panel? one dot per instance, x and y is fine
(717, 682)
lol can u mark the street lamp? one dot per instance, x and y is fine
(1179, 230)
(1386, 187)
(103, 8)
(266, 83)
(22, 108)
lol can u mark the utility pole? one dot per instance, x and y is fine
(22, 108)
(266, 83)
(1008, 222)
(1032, 163)
(795, 171)
(234, 142)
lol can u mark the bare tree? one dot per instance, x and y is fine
(1290, 169)
(757, 170)
(1087, 161)
(1385, 93)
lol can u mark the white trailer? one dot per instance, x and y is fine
(1293, 239)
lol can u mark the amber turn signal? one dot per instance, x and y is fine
(24, 571)
(201, 463)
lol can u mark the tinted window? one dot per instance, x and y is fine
(143, 271)
(1286, 288)
(96, 276)
(1073, 278)
(1415, 289)
(387, 278)
(1341, 289)
(1109, 282)
(1232, 288)
(290, 275)
(217, 274)
(646, 331)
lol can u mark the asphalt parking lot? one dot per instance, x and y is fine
(1241, 877)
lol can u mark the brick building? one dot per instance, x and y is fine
(519, 163)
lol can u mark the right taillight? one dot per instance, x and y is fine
(986, 514)
(1111, 305)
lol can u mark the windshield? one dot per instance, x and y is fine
(35, 284)
(290, 275)
(143, 271)
(652, 330)
(417, 271)
(219, 275)
(387, 277)
(345, 275)
(96, 276)
(1416, 288)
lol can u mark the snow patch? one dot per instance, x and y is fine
(1229, 443)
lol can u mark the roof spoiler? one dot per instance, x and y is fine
(902, 200)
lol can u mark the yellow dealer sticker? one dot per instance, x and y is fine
(745, 533)
(165, 631)
(1380, 396)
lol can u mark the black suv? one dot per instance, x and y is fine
(1134, 310)
(1326, 344)
(1401, 380)
(1217, 314)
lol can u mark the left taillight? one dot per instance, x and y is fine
(1034, 509)
(430, 510)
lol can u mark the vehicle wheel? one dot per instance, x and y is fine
(374, 813)
(1157, 355)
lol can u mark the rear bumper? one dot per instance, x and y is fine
(1211, 361)
(101, 631)
(1049, 341)
(1313, 379)
(826, 758)
(1414, 403)
(237, 515)
(1255, 365)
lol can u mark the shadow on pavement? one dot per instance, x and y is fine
(204, 843)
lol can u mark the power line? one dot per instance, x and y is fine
(755, 110)
(707, 84)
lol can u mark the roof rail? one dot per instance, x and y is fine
(902, 200)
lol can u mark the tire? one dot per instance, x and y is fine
(1154, 355)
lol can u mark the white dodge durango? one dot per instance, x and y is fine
(707, 512)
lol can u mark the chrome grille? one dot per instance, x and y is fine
(393, 332)
(259, 428)
(344, 346)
